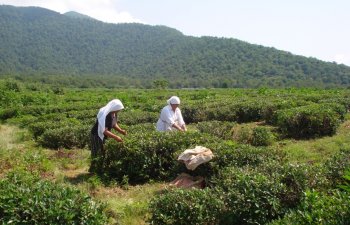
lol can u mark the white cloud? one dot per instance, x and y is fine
(104, 10)
(342, 58)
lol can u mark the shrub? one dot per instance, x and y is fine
(257, 194)
(22, 121)
(294, 178)
(194, 113)
(66, 137)
(253, 135)
(191, 206)
(320, 208)
(25, 199)
(310, 121)
(9, 113)
(346, 184)
(250, 197)
(11, 85)
(334, 169)
(220, 129)
(248, 111)
(243, 155)
(41, 125)
(262, 136)
(137, 117)
(149, 155)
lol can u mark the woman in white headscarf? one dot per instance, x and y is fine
(171, 117)
(106, 120)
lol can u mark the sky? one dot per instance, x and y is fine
(312, 28)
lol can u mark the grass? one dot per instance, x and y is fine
(316, 150)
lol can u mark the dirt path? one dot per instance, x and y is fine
(8, 137)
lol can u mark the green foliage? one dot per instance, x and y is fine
(69, 51)
(160, 84)
(262, 136)
(186, 207)
(66, 137)
(8, 113)
(346, 185)
(220, 129)
(11, 85)
(253, 135)
(250, 198)
(26, 199)
(320, 208)
(57, 90)
(315, 120)
(334, 169)
(148, 155)
(242, 155)
(137, 117)
(245, 184)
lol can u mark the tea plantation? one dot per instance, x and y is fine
(255, 177)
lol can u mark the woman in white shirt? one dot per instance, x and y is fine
(171, 117)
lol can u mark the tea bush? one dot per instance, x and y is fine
(262, 136)
(149, 155)
(137, 117)
(26, 199)
(194, 113)
(39, 127)
(249, 111)
(346, 184)
(240, 155)
(258, 195)
(253, 134)
(66, 137)
(293, 177)
(9, 113)
(250, 197)
(185, 207)
(334, 169)
(220, 129)
(251, 193)
(320, 208)
(310, 121)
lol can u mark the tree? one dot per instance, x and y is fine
(160, 84)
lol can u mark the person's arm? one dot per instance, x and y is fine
(178, 127)
(120, 130)
(111, 135)
(180, 119)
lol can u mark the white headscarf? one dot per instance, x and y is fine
(173, 100)
(111, 106)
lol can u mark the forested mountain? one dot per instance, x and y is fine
(37, 43)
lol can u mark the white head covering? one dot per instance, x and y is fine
(173, 100)
(111, 106)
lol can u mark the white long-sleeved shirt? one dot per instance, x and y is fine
(168, 117)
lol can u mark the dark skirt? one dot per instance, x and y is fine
(97, 153)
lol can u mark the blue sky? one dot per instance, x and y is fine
(319, 29)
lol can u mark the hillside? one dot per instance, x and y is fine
(39, 44)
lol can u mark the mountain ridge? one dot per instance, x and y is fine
(36, 42)
(77, 15)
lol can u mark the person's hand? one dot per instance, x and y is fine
(124, 132)
(117, 138)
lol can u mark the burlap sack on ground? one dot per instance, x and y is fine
(185, 180)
